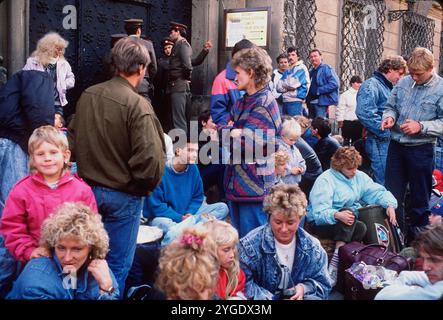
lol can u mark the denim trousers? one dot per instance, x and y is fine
(293, 108)
(377, 151)
(246, 216)
(13, 167)
(316, 110)
(413, 166)
(121, 214)
(172, 229)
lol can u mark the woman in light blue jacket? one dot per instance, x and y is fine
(337, 195)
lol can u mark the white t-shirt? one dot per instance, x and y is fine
(285, 255)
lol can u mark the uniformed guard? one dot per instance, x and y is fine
(179, 78)
(133, 28)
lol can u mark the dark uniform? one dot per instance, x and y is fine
(179, 79)
(146, 87)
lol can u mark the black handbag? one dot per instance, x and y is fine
(354, 289)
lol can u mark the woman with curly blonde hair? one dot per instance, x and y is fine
(188, 267)
(255, 120)
(49, 57)
(337, 195)
(281, 260)
(231, 279)
(76, 270)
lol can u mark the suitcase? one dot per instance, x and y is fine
(379, 229)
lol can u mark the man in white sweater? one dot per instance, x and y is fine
(345, 115)
(421, 285)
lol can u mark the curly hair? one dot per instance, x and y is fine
(188, 266)
(346, 158)
(287, 199)
(257, 60)
(47, 45)
(281, 157)
(225, 234)
(48, 134)
(75, 219)
(392, 63)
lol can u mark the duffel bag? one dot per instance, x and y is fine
(372, 254)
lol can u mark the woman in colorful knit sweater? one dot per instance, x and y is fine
(255, 124)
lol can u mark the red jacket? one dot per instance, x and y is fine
(30, 202)
(223, 282)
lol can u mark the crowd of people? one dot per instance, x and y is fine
(243, 206)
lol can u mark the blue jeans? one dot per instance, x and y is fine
(246, 216)
(413, 165)
(317, 111)
(121, 216)
(377, 151)
(172, 229)
(13, 167)
(294, 108)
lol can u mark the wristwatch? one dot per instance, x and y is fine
(109, 291)
(421, 127)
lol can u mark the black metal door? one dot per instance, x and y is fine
(96, 20)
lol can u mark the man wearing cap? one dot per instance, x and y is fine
(161, 105)
(133, 28)
(179, 77)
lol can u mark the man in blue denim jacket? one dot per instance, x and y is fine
(325, 86)
(414, 113)
(371, 99)
(281, 260)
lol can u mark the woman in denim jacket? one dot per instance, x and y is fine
(280, 260)
(77, 270)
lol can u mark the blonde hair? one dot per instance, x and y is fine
(421, 59)
(50, 135)
(47, 45)
(188, 266)
(256, 60)
(291, 128)
(225, 234)
(286, 199)
(77, 220)
(346, 158)
(281, 157)
(304, 122)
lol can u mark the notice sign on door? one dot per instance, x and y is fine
(251, 24)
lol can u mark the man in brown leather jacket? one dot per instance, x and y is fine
(119, 147)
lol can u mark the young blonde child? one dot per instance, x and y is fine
(290, 132)
(188, 267)
(231, 279)
(281, 160)
(36, 196)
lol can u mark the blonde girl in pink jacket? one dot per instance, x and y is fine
(49, 57)
(36, 196)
